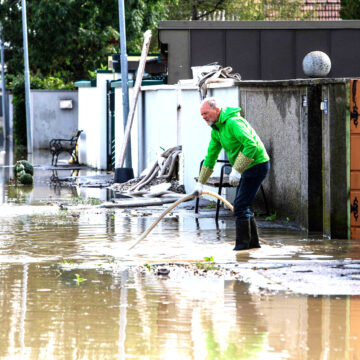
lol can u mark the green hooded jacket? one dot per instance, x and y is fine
(233, 133)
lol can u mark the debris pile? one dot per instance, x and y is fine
(160, 179)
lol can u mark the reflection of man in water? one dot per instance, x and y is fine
(252, 326)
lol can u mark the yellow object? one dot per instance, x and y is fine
(75, 155)
(204, 175)
(242, 162)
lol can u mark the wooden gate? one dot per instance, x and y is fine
(355, 158)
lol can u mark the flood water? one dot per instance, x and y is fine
(71, 289)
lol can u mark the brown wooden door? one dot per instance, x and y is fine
(355, 158)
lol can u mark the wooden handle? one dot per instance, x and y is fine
(139, 76)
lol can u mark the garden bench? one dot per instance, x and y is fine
(57, 146)
(223, 182)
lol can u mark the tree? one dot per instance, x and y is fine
(196, 9)
(350, 9)
(239, 10)
(69, 38)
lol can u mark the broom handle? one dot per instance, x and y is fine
(139, 76)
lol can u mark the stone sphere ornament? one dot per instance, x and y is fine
(316, 64)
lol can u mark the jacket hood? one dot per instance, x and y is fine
(227, 113)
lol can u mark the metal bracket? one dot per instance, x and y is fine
(354, 208)
(354, 115)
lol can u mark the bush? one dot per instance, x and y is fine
(23, 167)
(350, 10)
(26, 179)
(18, 168)
(29, 169)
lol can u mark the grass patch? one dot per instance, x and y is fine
(211, 206)
(85, 201)
(209, 264)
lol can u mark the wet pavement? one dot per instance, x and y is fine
(71, 289)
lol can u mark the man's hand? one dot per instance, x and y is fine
(198, 189)
(234, 177)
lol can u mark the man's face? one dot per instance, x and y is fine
(210, 115)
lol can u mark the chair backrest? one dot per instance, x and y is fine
(76, 134)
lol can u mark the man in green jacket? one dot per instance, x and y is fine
(250, 164)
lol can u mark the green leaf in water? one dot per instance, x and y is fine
(209, 258)
(67, 262)
(149, 267)
(79, 279)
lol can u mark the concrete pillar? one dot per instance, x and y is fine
(314, 172)
(178, 42)
(339, 144)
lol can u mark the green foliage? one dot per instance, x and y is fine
(209, 258)
(26, 179)
(29, 169)
(79, 279)
(272, 217)
(148, 266)
(68, 38)
(67, 262)
(18, 168)
(270, 9)
(209, 265)
(20, 173)
(19, 114)
(23, 171)
(85, 201)
(212, 205)
(350, 9)
(195, 9)
(239, 10)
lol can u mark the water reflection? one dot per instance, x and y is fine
(46, 314)
(69, 286)
(58, 184)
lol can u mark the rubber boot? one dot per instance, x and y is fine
(254, 242)
(242, 234)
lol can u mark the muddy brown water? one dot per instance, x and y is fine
(69, 289)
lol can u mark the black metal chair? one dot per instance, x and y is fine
(57, 146)
(219, 182)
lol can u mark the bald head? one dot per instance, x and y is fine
(210, 110)
(212, 102)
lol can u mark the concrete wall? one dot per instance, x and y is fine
(275, 114)
(93, 121)
(88, 117)
(49, 121)
(261, 50)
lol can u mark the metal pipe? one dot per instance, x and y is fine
(27, 80)
(124, 77)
